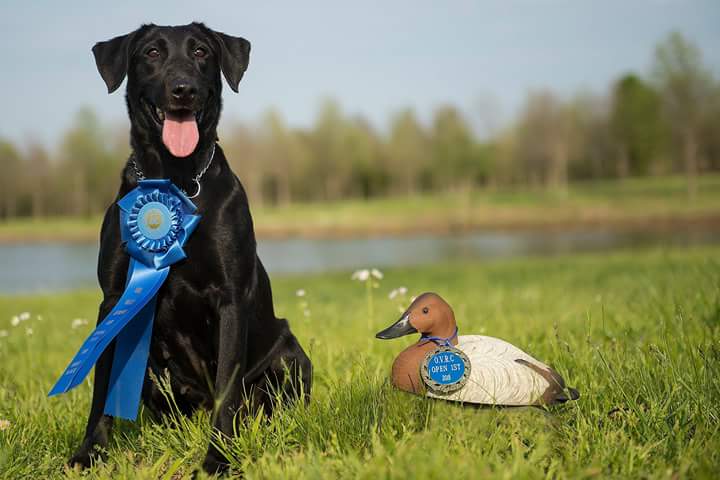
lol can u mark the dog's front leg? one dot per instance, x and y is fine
(229, 386)
(99, 425)
(112, 268)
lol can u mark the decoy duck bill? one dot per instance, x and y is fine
(397, 329)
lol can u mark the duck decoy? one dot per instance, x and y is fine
(467, 368)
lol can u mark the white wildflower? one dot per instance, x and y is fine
(4, 424)
(397, 292)
(15, 321)
(300, 293)
(306, 312)
(376, 273)
(24, 316)
(4, 333)
(78, 322)
(361, 275)
(28, 331)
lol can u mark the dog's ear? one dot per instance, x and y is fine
(234, 57)
(111, 58)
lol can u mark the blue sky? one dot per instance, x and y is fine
(373, 56)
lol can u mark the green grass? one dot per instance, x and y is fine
(647, 202)
(638, 333)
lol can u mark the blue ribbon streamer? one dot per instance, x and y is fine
(156, 219)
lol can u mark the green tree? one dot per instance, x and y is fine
(637, 125)
(89, 170)
(330, 170)
(10, 180)
(407, 151)
(279, 158)
(363, 153)
(455, 156)
(710, 134)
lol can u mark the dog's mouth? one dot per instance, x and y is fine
(180, 133)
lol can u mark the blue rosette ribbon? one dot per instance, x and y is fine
(156, 219)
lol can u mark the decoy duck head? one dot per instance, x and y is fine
(428, 314)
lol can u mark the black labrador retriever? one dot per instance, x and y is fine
(215, 331)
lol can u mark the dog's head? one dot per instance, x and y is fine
(174, 85)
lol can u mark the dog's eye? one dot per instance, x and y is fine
(153, 53)
(200, 52)
(426, 310)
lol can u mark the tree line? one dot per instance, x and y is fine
(666, 121)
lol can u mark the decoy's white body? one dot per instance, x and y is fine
(496, 378)
(490, 371)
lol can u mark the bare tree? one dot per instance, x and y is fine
(243, 151)
(331, 169)
(543, 141)
(686, 86)
(37, 185)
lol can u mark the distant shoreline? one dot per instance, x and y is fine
(655, 223)
(651, 204)
(65, 230)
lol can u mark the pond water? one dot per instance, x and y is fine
(59, 266)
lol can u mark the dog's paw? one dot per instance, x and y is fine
(81, 459)
(215, 466)
(85, 458)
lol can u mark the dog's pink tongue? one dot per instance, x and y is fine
(180, 134)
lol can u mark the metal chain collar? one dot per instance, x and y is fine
(141, 176)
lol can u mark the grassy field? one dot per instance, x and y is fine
(637, 332)
(642, 202)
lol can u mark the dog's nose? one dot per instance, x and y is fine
(183, 91)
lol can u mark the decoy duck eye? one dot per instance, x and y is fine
(426, 309)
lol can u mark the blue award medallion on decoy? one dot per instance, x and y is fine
(156, 219)
(445, 369)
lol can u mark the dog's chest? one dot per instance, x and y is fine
(186, 331)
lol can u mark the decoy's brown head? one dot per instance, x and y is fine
(428, 314)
